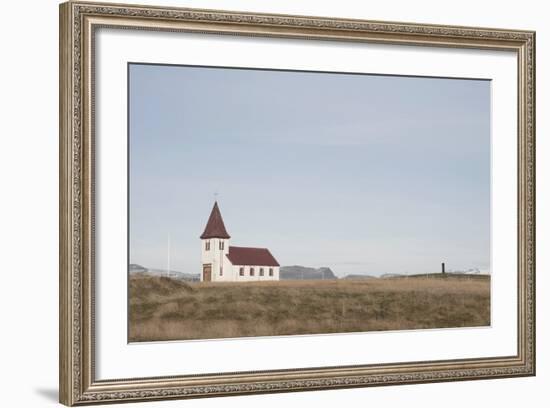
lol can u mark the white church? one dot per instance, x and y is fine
(224, 263)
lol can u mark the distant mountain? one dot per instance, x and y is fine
(391, 275)
(136, 268)
(357, 276)
(303, 272)
(175, 274)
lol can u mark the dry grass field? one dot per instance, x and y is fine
(166, 309)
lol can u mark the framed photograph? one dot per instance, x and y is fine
(255, 203)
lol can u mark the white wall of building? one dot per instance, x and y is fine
(217, 258)
(257, 277)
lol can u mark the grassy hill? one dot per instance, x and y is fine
(166, 309)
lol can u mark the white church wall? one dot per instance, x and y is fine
(276, 275)
(216, 257)
(257, 277)
(228, 270)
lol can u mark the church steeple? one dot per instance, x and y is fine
(215, 227)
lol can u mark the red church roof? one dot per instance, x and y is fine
(251, 256)
(215, 227)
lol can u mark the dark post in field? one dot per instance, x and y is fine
(442, 267)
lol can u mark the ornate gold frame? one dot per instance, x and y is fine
(78, 20)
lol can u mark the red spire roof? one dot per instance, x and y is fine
(251, 256)
(215, 227)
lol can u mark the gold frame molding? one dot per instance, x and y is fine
(78, 22)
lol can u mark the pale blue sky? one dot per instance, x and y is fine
(360, 173)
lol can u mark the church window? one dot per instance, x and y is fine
(261, 271)
(207, 246)
(251, 271)
(221, 245)
(270, 271)
(241, 271)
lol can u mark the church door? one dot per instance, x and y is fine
(207, 272)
